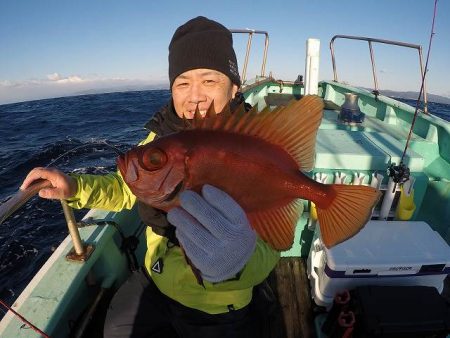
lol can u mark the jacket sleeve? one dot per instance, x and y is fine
(107, 192)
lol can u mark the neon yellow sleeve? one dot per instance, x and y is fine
(107, 192)
(261, 263)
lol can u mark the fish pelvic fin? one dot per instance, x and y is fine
(292, 127)
(347, 213)
(277, 226)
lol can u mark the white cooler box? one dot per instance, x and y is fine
(382, 253)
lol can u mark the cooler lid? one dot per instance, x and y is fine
(386, 244)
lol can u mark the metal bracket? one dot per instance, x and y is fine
(74, 257)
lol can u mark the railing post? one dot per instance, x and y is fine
(266, 47)
(79, 252)
(374, 69)
(247, 55)
(333, 60)
(250, 33)
(422, 75)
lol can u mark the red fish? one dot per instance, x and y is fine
(258, 159)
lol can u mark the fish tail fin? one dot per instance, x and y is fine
(348, 212)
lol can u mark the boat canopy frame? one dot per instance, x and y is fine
(250, 33)
(372, 58)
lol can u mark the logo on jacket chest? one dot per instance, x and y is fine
(158, 266)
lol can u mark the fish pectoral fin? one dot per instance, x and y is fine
(347, 214)
(277, 226)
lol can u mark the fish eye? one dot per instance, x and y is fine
(154, 159)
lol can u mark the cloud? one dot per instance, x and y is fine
(71, 79)
(56, 77)
(57, 85)
(53, 77)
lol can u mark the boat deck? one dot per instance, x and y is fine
(293, 315)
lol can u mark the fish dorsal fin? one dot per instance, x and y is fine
(292, 127)
(211, 112)
(277, 226)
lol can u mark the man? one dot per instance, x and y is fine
(166, 298)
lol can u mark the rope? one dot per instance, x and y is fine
(421, 87)
(43, 334)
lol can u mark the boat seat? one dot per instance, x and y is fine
(330, 105)
(280, 99)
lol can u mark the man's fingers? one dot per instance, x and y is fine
(62, 185)
(33, 175)
(223, 202)
(49, 193)
(189, 227)
(212, 219)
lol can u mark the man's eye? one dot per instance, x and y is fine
(182, 84)
(209, 82)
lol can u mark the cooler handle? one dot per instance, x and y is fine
(316, 258)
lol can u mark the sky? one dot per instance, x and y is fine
(53, 48)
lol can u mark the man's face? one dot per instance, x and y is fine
(201, 87)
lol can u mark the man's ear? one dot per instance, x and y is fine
(234, 90)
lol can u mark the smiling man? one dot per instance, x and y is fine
(200, 88)
(168, 297)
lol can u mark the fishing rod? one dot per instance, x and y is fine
(400, 173)
(423, 81)
(112, 147)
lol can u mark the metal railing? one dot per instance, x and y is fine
(80, 252)
(250, 33)
(372, 58)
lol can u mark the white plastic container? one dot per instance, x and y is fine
(382, 253)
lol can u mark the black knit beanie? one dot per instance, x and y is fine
(202, 43)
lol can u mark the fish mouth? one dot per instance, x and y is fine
(174, 192)
(121, 163)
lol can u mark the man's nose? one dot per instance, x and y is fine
(197, 94)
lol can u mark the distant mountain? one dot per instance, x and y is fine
(414, 96)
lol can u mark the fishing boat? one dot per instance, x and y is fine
(364, 138)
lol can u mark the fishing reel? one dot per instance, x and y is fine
(399, 173)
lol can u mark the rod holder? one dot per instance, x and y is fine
(79, 252)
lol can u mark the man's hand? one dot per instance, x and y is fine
(214, 232)
(63, 186)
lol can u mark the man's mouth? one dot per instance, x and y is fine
(191, 113)
(175, 192)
